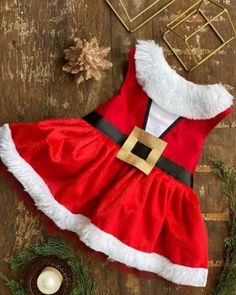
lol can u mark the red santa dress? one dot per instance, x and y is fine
(137, 208)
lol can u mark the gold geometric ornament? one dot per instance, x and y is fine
(132, 22)
(207, 18)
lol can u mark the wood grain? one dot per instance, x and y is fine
(33, 87)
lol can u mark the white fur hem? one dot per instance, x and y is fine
(91, 235)
(172, 92)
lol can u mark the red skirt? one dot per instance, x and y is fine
(70, 169)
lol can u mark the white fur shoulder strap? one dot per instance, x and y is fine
(172, 92)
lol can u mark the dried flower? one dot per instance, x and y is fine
(86, 60)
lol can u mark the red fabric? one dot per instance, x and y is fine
(127, 109)
(154, 214)
(185, 140)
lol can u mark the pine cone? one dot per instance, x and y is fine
(86, 60)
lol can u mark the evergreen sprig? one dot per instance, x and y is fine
(52, 247)
(17, 288)
(227, 174)
(83, 283)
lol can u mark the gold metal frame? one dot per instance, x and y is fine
(196, 8)
(156, 145)
(129, 25)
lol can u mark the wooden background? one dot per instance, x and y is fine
(33, 87)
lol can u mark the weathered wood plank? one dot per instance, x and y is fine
(33, 87)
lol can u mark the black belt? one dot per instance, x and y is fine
(115, 135)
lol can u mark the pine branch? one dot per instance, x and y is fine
(52, 247)
(17, 288)
(227, 281)
(83, 283)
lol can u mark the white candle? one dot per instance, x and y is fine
(49, 281)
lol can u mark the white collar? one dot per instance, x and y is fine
(172, 92)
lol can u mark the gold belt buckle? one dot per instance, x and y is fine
(142, 150)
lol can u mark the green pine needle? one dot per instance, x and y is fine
(83, 283)
(52, 247)
(227, 281)
(17, 288)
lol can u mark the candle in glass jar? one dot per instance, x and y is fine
(49, 281)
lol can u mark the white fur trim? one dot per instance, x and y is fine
(91, 235)
(172, 92)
